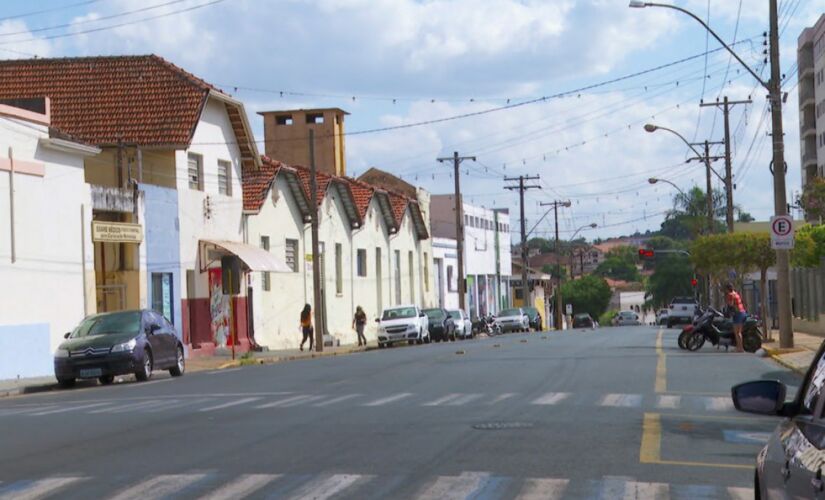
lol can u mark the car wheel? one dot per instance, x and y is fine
(65, 382)
(380, 345)
(145, 371)
(106, 379)
(180, 364)
(428, 339)
(670, 324)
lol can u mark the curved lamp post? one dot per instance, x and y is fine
(573, 237)
(654, 180)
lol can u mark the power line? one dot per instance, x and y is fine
(46, 11)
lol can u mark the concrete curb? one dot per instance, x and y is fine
(786, 364)
(291, 357)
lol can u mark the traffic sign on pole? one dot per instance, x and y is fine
(782, 232)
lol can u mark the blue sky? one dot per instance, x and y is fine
(391, 62)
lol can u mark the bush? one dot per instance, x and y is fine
(604, 319)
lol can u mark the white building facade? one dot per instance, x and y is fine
(811, 60)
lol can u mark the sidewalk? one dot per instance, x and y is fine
(221, 360)
(798, 358)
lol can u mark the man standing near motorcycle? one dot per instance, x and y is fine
(734, 302)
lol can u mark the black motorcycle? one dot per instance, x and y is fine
(714, 327)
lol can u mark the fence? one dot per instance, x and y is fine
(808, 298)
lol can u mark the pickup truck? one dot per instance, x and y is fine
(403, 323)
(681, 310)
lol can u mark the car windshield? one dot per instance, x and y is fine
(434, 313)
(582, 316)
(399, 313)
(454, 314)
(531, 311)
(510, 312)
(106, 324)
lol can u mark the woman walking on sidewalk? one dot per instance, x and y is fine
(359, 321)
(734, 302)
(306, 326)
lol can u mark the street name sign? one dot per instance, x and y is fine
(782, 233)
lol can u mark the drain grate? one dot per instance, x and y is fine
(499, 426)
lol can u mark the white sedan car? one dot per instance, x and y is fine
(513, 320)
(463, 326)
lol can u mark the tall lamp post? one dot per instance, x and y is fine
(654, 180)
(573, 237)
(773, 86)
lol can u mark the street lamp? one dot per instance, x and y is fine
(773, 86)
(572, 238)
(654, 180)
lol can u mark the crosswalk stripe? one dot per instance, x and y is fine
(324, 488)
(21, 411)
(229, 404)
(542, 489)
(551, 398)
(40, 489)
(502, 397)
(645, 491)
(669, 402)
(464, 399)
(389, 399)
(622, 400)
(176, 403)
(142, 405)
(718, 403)
(740, 493)
(158, 487)
(443, 399)
(287, 401)
(241, 487)
(68, 409)
(453, 487)
(336, 400)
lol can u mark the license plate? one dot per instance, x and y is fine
(91, 372)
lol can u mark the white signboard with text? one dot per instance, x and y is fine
(782, 233)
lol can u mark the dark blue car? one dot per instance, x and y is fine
(119, 343)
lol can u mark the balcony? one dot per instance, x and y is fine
(112, 199)
(808, 159)
(806, 95)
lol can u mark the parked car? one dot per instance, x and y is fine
(789, 465)
(105, 345)
(626, 318)
(583, 321)
(534, 318)
(403, 323)
(440, 324)
(513, 320)
(463, 326)
(682, 310)
(662, 316)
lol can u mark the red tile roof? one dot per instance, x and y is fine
(256, 183)
(399, 207)
(362, 194)
(142, 100)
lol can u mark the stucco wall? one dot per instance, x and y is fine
(42, 293)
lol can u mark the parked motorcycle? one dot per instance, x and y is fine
(712, 326)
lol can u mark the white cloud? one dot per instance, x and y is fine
(16, 41)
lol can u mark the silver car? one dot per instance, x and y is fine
(790, 465)
(513, 320)
(463, 328)
(626, 318)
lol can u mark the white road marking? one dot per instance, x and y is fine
(229, 404)
(227, 370)
(718, 403)
(542, 489)
(336, 400)
(142, 405)
(669, 402)
(464, 399)
(740, 493)
(389, 399)
(324, 488)
(551, 398)
(68, 409)
(502, 397)
(241, 487)
(158, 487)
(646, 491)
(623, 400)
(288, 401)
(41, 488)
(453, 487)
(176, 403)
(20, 411)
(443, 399)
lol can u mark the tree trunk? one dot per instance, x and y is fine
(763, 302)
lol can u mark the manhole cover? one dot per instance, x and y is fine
(498, 426)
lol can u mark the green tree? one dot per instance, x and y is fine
(543, 245)
(620, 264)
(809, 246)
(689, 217)
(590, 294)
(743, 216)
(672, 273)
(813, 198)
(551, 270)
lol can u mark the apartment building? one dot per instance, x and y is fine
(811, 61)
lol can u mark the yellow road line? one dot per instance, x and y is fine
(661, 368)
(650, 450)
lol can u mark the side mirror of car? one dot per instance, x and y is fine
(421, 315)
(153, 329)
(66, 335)
(763, 397)
(377, 320)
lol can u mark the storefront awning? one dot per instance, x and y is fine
(256, 259)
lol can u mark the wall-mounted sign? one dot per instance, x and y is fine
(116, 232)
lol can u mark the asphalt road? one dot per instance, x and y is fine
(610, 413)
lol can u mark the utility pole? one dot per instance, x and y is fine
(707, 159)
(316, 262)
(557, 317)
(726, 105)
(459, 224)
(521, 188)
(780, 197)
